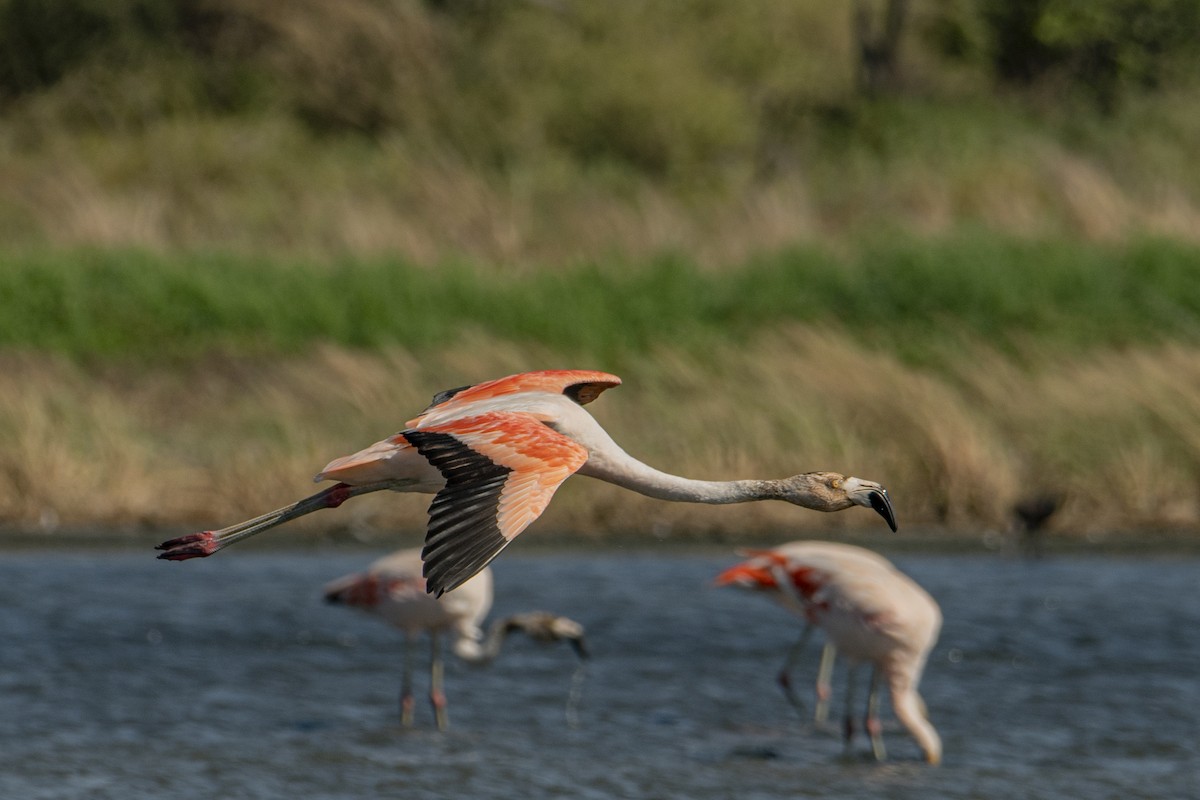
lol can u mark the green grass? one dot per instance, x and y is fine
(907, 296)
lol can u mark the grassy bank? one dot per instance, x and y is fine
(262, 187)
(964, 374)
(237, 240)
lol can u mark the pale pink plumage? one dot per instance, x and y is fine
(869, 610)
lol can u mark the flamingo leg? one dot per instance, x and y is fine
(828, 653)
(437, 674)
(848, 717)
(205, 543)
(406, 690)
(873, 725)
(785, 672)
(825, 683)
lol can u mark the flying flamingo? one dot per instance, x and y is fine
(494, 453)
(870, 611)
(394, 589)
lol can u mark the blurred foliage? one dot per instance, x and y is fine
(549, 131)
(663, 88)
(1102, 49)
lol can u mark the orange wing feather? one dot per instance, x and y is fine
(540, 459)
(581, 385)
(501, 469)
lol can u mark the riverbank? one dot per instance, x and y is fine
(203, 443)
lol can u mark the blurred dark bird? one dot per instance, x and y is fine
(496, 452)
(394, 589)
(1030, 515)
(870, 611)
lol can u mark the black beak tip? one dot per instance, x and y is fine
(883, 505)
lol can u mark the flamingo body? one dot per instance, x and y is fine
(495, 453)
(393, 589)
(869, 610)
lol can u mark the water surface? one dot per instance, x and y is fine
(125, 677)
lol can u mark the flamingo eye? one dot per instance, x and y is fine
(837, 483)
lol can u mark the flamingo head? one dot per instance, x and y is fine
(832, 491)
(543, 626)
(871, 495)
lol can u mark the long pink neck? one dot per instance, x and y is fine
(910, 711)
(618, 467)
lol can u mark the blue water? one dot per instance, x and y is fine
(125, 677)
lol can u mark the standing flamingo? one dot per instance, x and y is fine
(870, 611)
(824, 683)
(394, 589)
(495, 453)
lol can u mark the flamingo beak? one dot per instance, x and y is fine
(872, 495)
(580, 647)
(883, 505)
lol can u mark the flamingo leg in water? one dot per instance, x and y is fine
(437, 674)
(785, 672)
(873, 725)
(848, 717)
(205, 543)
(406, 690)
(825, 683)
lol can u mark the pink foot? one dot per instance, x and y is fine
(194, 545)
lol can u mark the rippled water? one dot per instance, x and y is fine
(125, 677)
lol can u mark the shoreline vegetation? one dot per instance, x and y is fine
(239, 239)
(170, 392)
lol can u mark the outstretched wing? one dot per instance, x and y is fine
(582, 386)
(501, 469)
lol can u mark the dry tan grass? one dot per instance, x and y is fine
(1118, 433)
(177, 187)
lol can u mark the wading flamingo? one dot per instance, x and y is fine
(495, 453)
(394, 589)
(824, 683)
(870, 611)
